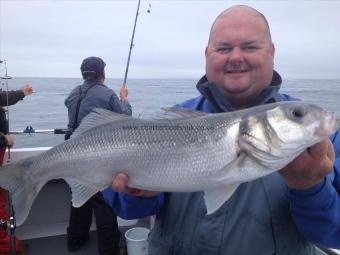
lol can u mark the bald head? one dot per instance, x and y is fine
(240, 12)
(240, 55)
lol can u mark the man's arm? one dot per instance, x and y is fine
(129, 203)
(314, 198)
(15, 95)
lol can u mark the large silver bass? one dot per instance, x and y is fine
(191, 152)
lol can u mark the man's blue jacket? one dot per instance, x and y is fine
(316, 211)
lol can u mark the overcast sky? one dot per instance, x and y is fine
(51, 38)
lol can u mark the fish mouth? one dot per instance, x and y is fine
(328, 126)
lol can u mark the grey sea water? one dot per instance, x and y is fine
(45, 109)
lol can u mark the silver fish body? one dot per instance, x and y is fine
(214, 152)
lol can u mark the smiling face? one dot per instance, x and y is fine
(240, 55)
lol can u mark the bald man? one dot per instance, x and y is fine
(257, 218)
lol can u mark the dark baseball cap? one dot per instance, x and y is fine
(92, 66)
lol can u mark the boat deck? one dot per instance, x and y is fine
(56, 245)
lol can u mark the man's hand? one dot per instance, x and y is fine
(310, 167)
(27, 89)
(120, 182)
(123, 93)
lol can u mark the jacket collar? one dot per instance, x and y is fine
(220, 103)
(87, 84)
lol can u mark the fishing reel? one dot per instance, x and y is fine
(8, 225)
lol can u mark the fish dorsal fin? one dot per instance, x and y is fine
(98, 117)
(81, 192)
(179, 113)
(215, 198)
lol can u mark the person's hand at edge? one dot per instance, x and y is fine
(27, 89)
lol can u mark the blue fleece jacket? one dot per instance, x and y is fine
(316, 211)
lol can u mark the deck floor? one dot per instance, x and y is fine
(45, 227)
(56, 245)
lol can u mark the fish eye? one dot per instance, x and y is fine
(298, 112)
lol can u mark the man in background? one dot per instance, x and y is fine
(93, 93)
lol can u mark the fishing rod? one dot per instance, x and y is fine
(9, 225)
(131, 43)
(6, 78)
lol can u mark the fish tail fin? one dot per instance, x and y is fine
(16, 179)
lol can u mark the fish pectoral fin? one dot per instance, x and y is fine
(215, 198)
(81, 192)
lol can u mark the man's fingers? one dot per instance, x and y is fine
(319, 150)
(330, 151)
(119, 182)
(329, 159)
(135, 192)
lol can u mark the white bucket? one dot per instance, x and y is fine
(137, 241)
